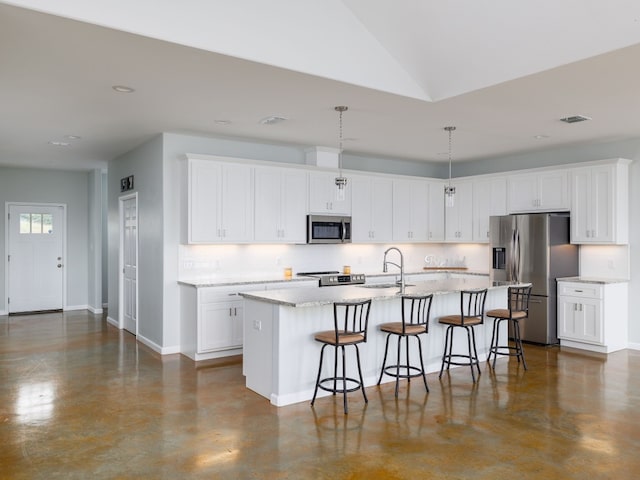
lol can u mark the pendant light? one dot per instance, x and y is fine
(449, 191)
(341, 182)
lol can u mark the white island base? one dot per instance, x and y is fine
(281, 357)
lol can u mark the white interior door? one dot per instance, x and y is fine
(35, 258)
(129, 256)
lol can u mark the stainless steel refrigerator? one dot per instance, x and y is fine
(534, 248)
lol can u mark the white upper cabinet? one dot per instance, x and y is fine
(459, 217)
(322, 194)
(435, 214)
(371, 209)
(600, 204)
(410, 211)
(280, 205)
(544, 191)
(220, 202)
(489, 199)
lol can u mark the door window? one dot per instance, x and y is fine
(36, 223)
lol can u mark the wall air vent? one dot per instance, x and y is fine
(575, 119)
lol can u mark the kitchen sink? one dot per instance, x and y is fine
(385, 285)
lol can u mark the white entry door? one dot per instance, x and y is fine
(35, 263)
(129, 258)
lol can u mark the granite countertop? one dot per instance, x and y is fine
(246, 279)
(227, 281)
(314, 297)
(599, 280)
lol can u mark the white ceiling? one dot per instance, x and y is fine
(503, 72)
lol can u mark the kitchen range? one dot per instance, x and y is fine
(334, 278)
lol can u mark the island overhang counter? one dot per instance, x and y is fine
(280, 355)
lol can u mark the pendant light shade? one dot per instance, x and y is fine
(341, 182)
(449, 191)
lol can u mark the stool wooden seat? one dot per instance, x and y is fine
(350, 321)
(471, 314)
(518, 309)
(415, 322)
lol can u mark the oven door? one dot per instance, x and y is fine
(328, 229)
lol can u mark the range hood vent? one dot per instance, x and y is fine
(325, 157)
(575, 119)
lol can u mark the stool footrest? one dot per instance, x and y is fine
(338, 381)
(471, 360)
(511, 351)
(392, 371)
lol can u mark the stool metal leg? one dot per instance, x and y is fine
(384, 360)
(344, 380)
(494, 342)
(473, 374)
(446, 355)
(475, 350)
(495, 346)
(398, 365)
(424, 377)
(518, 340)
(364, 394)
(315, 392)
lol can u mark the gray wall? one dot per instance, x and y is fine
(53, 186)
(95, 208)
(145, 163)
(105, 240)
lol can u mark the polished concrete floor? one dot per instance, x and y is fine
(80, 399)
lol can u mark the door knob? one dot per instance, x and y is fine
(59, 265)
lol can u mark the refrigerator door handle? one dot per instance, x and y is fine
(515, 256)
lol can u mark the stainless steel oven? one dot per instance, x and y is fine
(328, 229)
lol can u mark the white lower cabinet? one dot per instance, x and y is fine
(212, 321)
(593, 316)
(220, 326)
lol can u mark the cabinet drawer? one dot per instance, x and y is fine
(224, 294)
(587, 290)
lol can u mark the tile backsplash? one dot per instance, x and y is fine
(200, 261)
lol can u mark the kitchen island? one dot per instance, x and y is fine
(280, 356)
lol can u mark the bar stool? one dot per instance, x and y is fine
(471, 314)
(518, 309)
(415, 321)
(350, 321)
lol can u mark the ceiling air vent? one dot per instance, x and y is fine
(575, 119)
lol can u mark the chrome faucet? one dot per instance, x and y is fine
(385, 262)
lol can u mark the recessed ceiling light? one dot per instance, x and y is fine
(273, 119)
(72, 137)
(56, 143)
(540, 137)
(575, 119)
(222, 122)
(123, 89)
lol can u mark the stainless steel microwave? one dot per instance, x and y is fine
(328, 229)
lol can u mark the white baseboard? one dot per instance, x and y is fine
(95, 311)
(113, 322)
(633, 346)
(69, 308)
(4, 312)
(157, 348)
